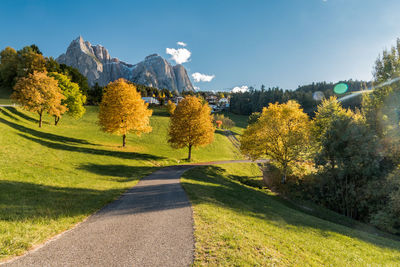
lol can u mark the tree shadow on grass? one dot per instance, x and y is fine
(255, 203)
(21, 201)
(102, 152)
(226, 132)
(44, 135)
(14, 111)
(253, 181)
(5, 113)
(160, 112)
(119, 173)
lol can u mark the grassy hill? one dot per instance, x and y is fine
(236, 225)
(55, 176)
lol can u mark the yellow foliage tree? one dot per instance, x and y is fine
(191, 125)
(123, 111)
(171, 107)
(39, 93)
(281, 133)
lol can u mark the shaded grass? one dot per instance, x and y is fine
(5, 96)
(240, 122)
(53, 177)
(236, 225)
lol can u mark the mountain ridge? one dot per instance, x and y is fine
(96, 64)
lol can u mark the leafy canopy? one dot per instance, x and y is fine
(123, 111)
(74, 99)
(191, 124)
(171, 107)
(39, 93)
(281, 133)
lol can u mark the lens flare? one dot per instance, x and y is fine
(340, 88)
(318, 95)
(354, 94)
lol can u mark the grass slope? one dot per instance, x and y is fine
(236, 225)
(54, 177)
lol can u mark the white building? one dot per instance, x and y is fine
(224, 102)
(151, 100)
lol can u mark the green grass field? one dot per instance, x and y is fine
(237, 225)
(53, 177)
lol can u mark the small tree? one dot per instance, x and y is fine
(253, 117)
(226, 123)
(39, 93)
(191, 125)
(281, 133)
(122, 110)
(171, 107)
(74, 99)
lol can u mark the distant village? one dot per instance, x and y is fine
(217, 101)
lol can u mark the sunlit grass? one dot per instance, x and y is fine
(236, 225)
(55, 176)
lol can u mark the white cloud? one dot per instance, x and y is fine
(181, 43)
(180, 55)
(196, 88)
(199, 77)
(240, 89)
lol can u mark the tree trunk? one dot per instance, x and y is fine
(40, 119)
(124, 140)
(190, 153)
(56, 120)
(283, 178)
(284, 175)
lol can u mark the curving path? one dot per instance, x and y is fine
(150, 225)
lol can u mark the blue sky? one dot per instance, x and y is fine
(282, 43)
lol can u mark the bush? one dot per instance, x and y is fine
(227, 123)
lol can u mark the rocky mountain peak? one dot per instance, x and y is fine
(95, 62)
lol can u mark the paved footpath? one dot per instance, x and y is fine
(150, 225)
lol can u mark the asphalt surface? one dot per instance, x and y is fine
(150, 225)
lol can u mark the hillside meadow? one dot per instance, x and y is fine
(238, 225)
(54, 177)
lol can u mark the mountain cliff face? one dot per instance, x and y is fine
(97, 65)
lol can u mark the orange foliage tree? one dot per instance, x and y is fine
(171, 107)
(191, 125)
(123, 111)
(39, 93)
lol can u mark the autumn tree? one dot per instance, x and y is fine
(39, 93)
(123, 111)
(74, 99)
(281, 134)
(171, 107)
(226, 122)
(191, 125)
